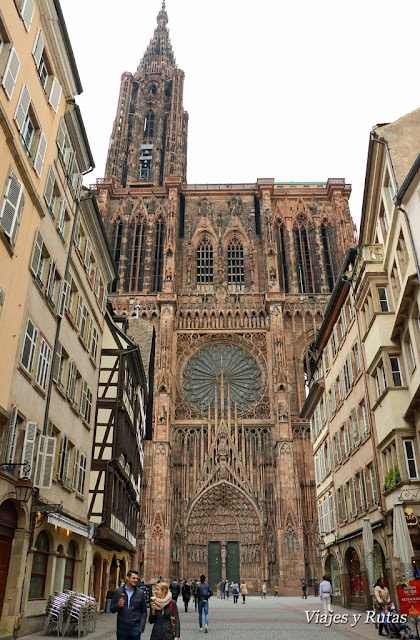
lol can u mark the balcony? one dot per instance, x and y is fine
(370, 258)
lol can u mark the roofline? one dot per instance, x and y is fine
(69, 48)
(408, 180)
(339, 284)
(85, 138)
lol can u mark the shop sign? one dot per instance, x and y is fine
(409, 597)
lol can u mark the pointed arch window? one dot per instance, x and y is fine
(303, 261)
(149, 124)
(135, 257)
(281, 256)
(236, 270)
(117, 234)
(326, 247)
(205, 262)
(158, 256)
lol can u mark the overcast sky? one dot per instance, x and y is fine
(274, 89)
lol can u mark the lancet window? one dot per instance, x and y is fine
(149, 124)
(205, 262)
(281, 256)
(135, 257)
(117, 233)
(325, 236)
(303, 261)
(236, 270)
(158, 256)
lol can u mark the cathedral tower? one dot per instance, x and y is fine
(149, 136)
(235, 279)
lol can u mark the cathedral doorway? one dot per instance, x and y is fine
(214, 564)
(233, 562)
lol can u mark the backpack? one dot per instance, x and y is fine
(204, 591)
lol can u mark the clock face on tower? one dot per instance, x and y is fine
(224, 370)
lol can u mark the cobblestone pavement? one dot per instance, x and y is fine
(270, 619)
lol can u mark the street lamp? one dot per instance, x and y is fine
(23, 489)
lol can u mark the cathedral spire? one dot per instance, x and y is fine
(159, 56)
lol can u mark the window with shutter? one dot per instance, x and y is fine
(79, 313)
(63, 297)
(29, 345)
(343, 503)
(55, 94)
(49, 458)
(331, 511)
(61, 137)
(326, 519)
(38, 259)
(49, 188)
(27, 13)
(346, 437)
(43, 363)
(40, 461)
(350, 368)
(322, 464)
(83, 398)
(326, 359)
(97, 285)
(62, 457)
(365, 418)
(365, 493)
(316, 469)
(341, 385)
(362, 493)
(38, 48)
(76, 469)
(51, 284)
(82, 474)
(57, 362)
(83, 322)
(11, 73)
(11, 437)
(333, 398)
(40, 154)
(61, 220)
(12, 207)
(352, 493)
(22, 107)
(338, 447)
(355, 425)
(373, 484)
(321, 520)
(28, 450)
(329, 461)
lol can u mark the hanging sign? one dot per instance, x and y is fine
(409, 597)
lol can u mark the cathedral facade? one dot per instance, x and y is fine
(235, 279)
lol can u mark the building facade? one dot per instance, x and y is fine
(386, 286)
(338, 406)
(55, 268)
(234, 279)
(118, 457)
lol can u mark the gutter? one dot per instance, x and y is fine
(85, 138)
(69, 48)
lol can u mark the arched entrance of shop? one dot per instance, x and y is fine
(8, 523)
(354, 577)
(331, 571)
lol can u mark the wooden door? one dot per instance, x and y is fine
(233, 572)
(5, 549)
(215, 564)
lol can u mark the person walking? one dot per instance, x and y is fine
(130, 603)
(175, 589)
(304, 588)
(218, 589)
(316, 588)
(276, 590)
(235, 591)
(325, 591)
(202, 594)
(264, 591)
(223, 590)
(186, 594)
(164, 614)
(192, 587)
(381, 600)
(244, 591)
(227, 589)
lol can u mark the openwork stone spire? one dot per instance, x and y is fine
(159, 55)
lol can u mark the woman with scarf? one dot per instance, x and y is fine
(164, 615)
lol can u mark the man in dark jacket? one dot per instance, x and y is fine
(130, 603)
(175, 589)
(202, 594)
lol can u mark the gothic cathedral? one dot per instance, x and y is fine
(235, 279)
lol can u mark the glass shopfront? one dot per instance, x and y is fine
(354, 573)
(379, 561)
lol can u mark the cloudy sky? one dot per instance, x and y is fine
(274, 89)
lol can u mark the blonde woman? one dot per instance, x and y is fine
(162, 609)
(244, 591)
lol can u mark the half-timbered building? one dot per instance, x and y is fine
(118, 456)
